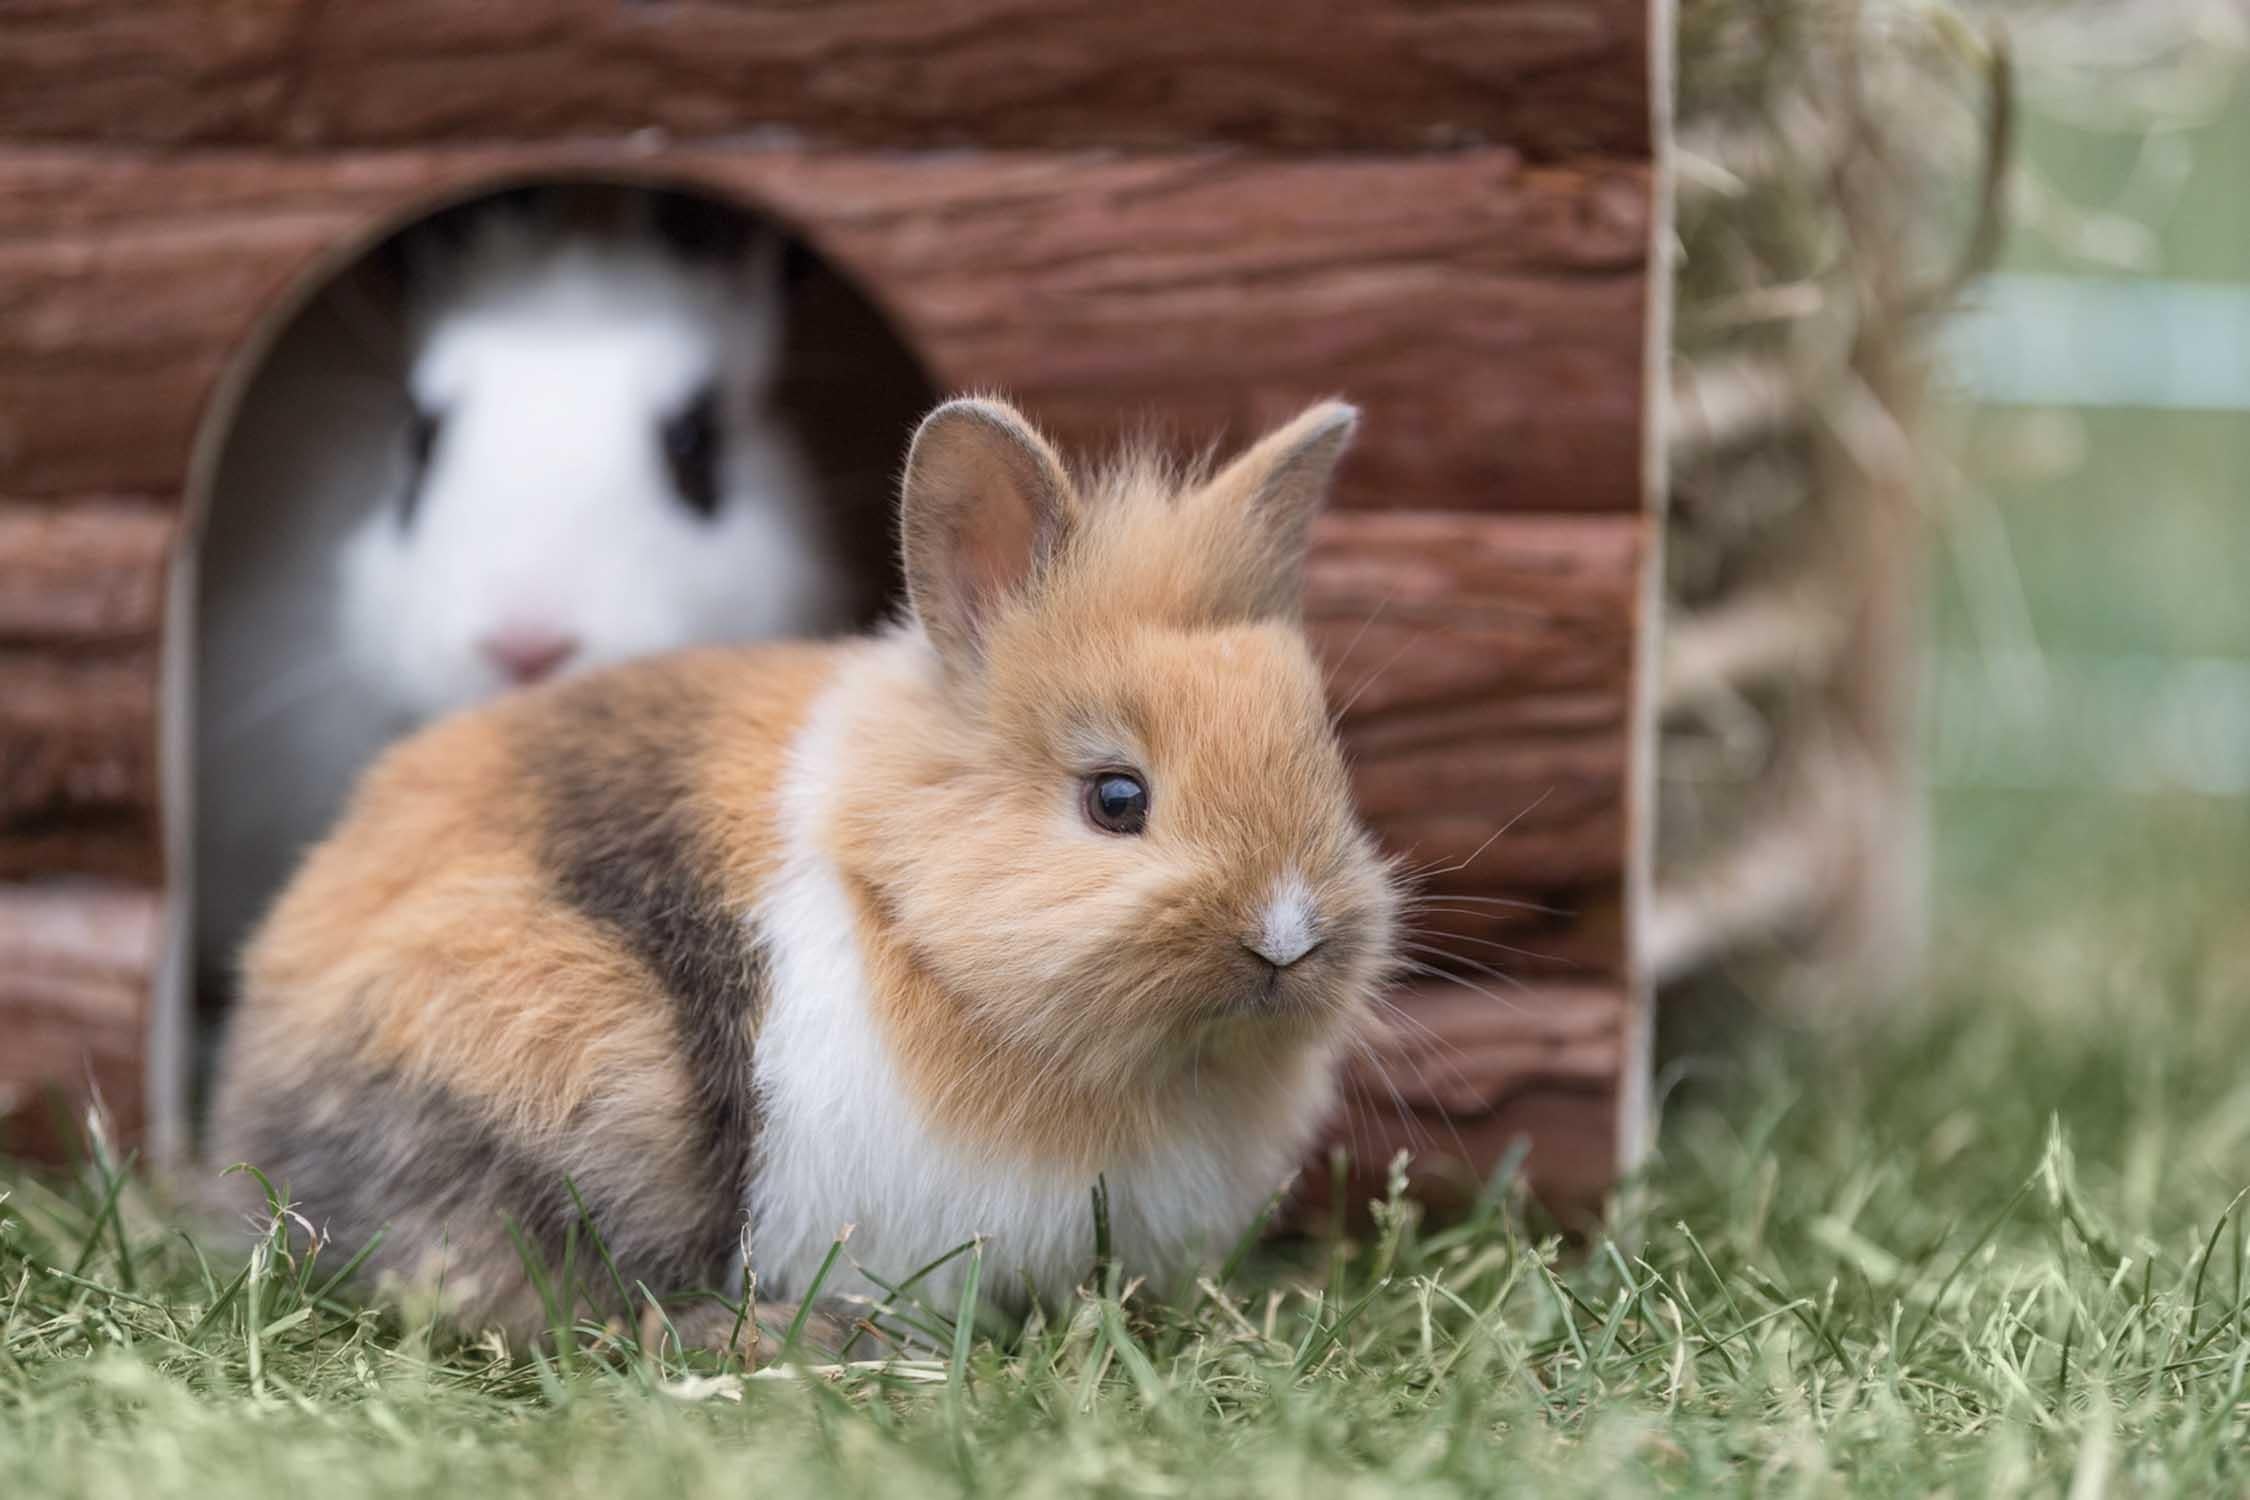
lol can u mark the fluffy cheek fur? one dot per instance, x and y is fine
(1100, 972)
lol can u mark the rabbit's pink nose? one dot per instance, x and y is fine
(526, 653)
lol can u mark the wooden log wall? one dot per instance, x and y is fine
(1347, 75)
(1485, 302)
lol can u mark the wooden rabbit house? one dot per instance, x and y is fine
(1194, 217)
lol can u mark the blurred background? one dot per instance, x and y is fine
(1957, 541)
(2092, 622)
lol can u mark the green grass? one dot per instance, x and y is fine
(1989, 1244)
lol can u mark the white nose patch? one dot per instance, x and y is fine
(1285, 929)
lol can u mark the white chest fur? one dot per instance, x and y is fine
(842, 1143)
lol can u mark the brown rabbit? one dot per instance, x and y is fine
(1059, 877)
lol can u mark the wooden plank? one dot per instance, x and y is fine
(1484, 668)
(1487, 315)
(1456, 1078)
(1545, 78)
(75, 966)
(78, 766)
(92, 572)
(81, 598)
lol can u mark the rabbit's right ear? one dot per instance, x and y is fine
(984, 507)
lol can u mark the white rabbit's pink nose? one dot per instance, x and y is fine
(526, 653)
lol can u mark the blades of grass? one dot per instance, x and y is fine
(1323, 1338)
(937, 1335)
(1802, 1310)
(1611, 1322)
(1709, 1269)
(601, 1247)
(1485, 1323)
(1639, 1287)
(1711, 1341)
(671, 1333)
(926, 1269)
(1563, 1299)
(550, 1383)
(58, 1274)
(2210, 1248)
(1105, 1257)
(350, 1266)
(252, 1295)
(1099, 1353)
(535, 1268)
(1251, 1237)
(285, 1322)
(202, 1266)
(2225, 1324)
(965, 1321)
(274, 1201)
(746, 1305)
(2239, 1236)
(126, 1275)
(812, 1295)
(1339, 1222)
(1922, 1326)
(1491, 1202)
(1613, 1328)
(569, 1284)
(1144, 1376)
(113, 1184)
(218, 1307)
(1319, 1301)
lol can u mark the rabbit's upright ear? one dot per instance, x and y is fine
(984, 507)
(1277, 486)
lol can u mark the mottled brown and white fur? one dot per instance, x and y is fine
(817, 936)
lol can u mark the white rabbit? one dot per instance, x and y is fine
(563, 455)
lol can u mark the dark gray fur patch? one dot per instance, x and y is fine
(419, 1165)
(618, 838)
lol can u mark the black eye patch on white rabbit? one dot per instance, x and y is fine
(549, 444)
(592, 470)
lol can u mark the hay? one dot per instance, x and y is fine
(1838, 175)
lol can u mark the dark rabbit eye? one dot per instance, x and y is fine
(422, 429)
(691, 452)
(1117, 801)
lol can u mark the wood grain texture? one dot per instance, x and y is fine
(1457, 1078)
(1550, 79)
(75, 965)
(1487, 315)
(81, 596)
(87, 574)
(78, 768)
(1484, 668)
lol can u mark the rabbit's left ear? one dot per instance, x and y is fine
(1281, 483)
(984, 507)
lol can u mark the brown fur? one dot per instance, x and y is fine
(423, 947)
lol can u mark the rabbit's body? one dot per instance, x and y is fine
(872, 934)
